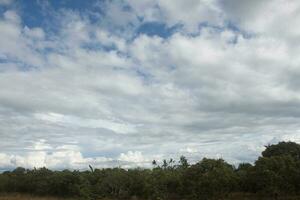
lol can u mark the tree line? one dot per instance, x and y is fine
(275, 172)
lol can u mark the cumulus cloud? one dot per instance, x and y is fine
(130, 156)
(44, 155)
(277, 18)
(101, 93)
(189, 13)
(5, 2)
(36, 33)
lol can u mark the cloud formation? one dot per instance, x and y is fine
(89, 87)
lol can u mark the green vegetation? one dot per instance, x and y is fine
(275, 174)
(17, 196)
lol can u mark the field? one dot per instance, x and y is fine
(242, 196)
(230, 197)
(27, 197)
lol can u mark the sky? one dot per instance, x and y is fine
(120, 83)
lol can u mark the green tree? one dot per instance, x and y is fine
(282, 149)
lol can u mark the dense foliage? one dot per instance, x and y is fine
(276, 172)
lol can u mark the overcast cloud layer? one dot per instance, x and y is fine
(120, 83)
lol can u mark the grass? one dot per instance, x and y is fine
(28, 197)
(245, 196)
(235, 196)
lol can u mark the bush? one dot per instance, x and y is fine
(276, 172)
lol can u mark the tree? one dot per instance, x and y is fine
(209, 178)
(276, 175)
(277, 172)
(183, 162)
(282, 149)
(244, 180)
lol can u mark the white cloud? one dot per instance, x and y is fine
(36, 33)
(5, 161)
(270, 18)
(110, 40)
(132, 156)
(188, 150)
(12, 16)
(74, 121)
(89, 94)
(68, 158)
(189, 13)
(5, 2)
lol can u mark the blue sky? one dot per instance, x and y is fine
(120, 83)
(42, 14)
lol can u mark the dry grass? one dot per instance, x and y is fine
(27, 197)
(236, 196)
(245, 196)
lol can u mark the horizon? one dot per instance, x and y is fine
(171, 162)
(121, 83)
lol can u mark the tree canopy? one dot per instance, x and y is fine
(283, 149)
(276, 172)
